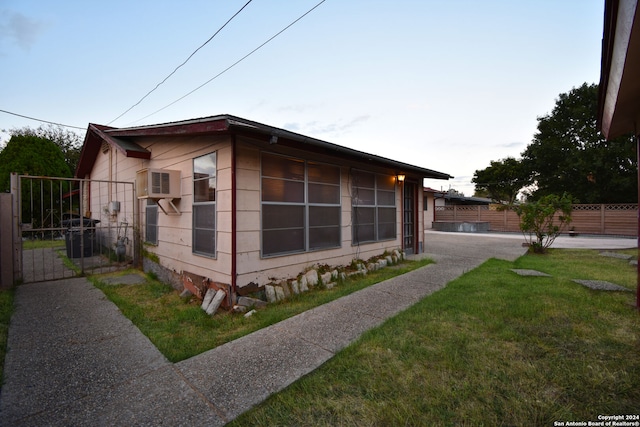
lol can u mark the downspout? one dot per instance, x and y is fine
(233, 221)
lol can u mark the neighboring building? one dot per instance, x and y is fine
(241, 203)
(429, 207)
(450, 198)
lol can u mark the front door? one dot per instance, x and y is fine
(409, 218)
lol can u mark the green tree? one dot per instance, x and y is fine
(568, 154)
(543, 220)
(502, 180)
(32, 155)
(69, 142)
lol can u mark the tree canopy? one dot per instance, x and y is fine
(32, 155)
(502, 180)
(69, 142)
(569, 155)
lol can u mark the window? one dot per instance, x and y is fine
(151, 222)
(374, 207)
(300, 205)
(204, 205)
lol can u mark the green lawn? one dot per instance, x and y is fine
(180, 329)
(492, 348)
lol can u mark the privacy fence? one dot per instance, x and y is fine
(613, 219)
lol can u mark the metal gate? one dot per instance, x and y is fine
(67, 227)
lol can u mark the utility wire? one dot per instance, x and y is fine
(40, 120)
(179, 66)
(235, 63)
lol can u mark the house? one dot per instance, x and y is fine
(619, 90)
(240, 203)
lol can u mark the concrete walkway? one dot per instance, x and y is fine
(73, 359)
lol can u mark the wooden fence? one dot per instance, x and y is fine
(614, 219)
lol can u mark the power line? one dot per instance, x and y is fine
(40, 120)
(235, 63)
(179, 66)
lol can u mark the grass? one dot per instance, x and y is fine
(492, 348)
(41, 244)
(180, 329)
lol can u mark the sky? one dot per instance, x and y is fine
(448, 85)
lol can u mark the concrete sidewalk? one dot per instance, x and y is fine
(73, 359)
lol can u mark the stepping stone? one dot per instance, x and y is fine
(530, 272)
(615, 255)
(601, 285)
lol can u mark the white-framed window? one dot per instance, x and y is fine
(204, 205)
(373, 201)
(300, 205)
(151, 222)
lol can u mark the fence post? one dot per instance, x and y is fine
(602, 222)
(6, 241)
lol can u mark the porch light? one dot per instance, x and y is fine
(400, 177)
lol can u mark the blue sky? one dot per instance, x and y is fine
(445, 84)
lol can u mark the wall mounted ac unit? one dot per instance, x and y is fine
(159, 184)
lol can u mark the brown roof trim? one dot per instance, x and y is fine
(96, 135)
(228, 124)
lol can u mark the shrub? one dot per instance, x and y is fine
(538, 220)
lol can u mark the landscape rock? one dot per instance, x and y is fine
(208, 297)
(251, 313)
(326, 277)
(279, 293)
(389, 260)
(303, 284)
(270, 292)
(185, 293)
(295, 288)
(219, 296)
(312, 277)
(285, 288)
(334, 274)
(251, 302)
(239, 309)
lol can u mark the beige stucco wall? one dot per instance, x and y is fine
(175, 231)
(174, 248)
(251, 267)
(429, 214)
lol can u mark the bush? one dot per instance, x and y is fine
(537, 219)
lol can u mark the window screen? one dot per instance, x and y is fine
(151, 222)
(204, 205)
(373, 200)
(300, 205)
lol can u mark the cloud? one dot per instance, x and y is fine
(20, 29)
(511, 145)
(337, 128)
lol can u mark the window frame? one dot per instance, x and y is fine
(151, 207)
(312, 190)
(377, 205)
(203, 205)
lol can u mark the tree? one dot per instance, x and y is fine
(69, 142)
(538, 219)
(502, 180)
(568, 154)
(32, 155)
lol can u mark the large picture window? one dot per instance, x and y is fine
(204, 205)
(374, 207)
(300, 205)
